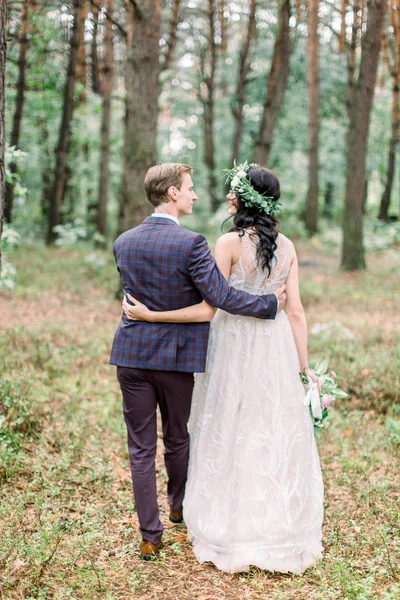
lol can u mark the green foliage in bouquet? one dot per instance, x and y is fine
(319, 402)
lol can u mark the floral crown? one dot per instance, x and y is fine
(241, 186)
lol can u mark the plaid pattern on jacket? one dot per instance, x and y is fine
(168, 267)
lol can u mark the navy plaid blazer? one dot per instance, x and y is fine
(168, 267)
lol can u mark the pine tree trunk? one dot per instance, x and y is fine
(223, 28)
(351, 58)
(328, 200)
(2, 113)
(45, 162)
(342, 42)
(353, 250)
(208, 100)
(19, 104)
(94, 57)
(276, 85)
(106, 119)
(311, 213)
(81, 66)
(172, 34)
(385, 200)
(244, 67)
(395, 73)
(141, 80)
(60, 173)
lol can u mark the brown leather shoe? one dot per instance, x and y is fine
(175, 516)
(149, 550)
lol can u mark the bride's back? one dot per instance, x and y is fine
(247, 274)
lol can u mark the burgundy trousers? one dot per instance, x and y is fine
(142, 390)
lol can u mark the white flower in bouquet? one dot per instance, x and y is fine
(319, 400)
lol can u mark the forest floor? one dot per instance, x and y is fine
(68, 528)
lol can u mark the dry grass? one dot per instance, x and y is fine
(67, 524)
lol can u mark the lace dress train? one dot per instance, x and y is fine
(254, 494)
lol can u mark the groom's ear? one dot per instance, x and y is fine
(172, 193)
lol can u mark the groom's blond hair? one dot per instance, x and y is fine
(160, 178)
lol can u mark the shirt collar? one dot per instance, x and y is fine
(165, 216)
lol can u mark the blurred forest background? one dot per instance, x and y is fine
(96, 91)
(99, 90)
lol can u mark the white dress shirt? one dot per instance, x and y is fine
(165, 216)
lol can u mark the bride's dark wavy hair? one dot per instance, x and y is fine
(265, 226)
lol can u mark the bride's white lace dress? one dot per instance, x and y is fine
(254, 494)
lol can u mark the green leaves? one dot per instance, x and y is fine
(241, 185)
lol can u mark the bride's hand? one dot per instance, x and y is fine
(314, 378)
(138, 312)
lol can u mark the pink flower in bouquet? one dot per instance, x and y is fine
(326, 400)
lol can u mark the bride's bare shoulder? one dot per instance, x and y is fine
(230, 239)
(284, 240)
(229, 245)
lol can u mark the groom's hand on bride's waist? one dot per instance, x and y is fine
(281, 296)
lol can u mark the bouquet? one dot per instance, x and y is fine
(319, 402)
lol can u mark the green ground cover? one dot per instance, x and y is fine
(67, 523)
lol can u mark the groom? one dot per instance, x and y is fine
(167, 267)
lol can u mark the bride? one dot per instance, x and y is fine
(254, 494)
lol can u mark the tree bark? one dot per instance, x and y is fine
(385, 200)
(107, 86)
(45, 162)
(276, 86)
(209, 105)
(60, 172)
(141, 111)
(94, 56)
(351, 58)
(311, 213)
(208, 64)
(328, 206)
(343, 10)
(223, 28)
(172, 34)
(244, 68)
(81, 66)
(2, 113)
(19, 104)
(395, 73)
(352, 249)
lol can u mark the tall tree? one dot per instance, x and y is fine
(57, 192)
(107, 86)
(343, 11)
(2, 111)
(311, 212)
(394, 68)
(172, 34)
(81, 66)
(244, 68)
(94, 56)
(223, 27)
(208, 62)
(276, 85)
(352, 55)
(19, 104)
(353, 249)
(141, 107)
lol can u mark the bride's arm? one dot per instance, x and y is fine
(297, 318)
(197, 313)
